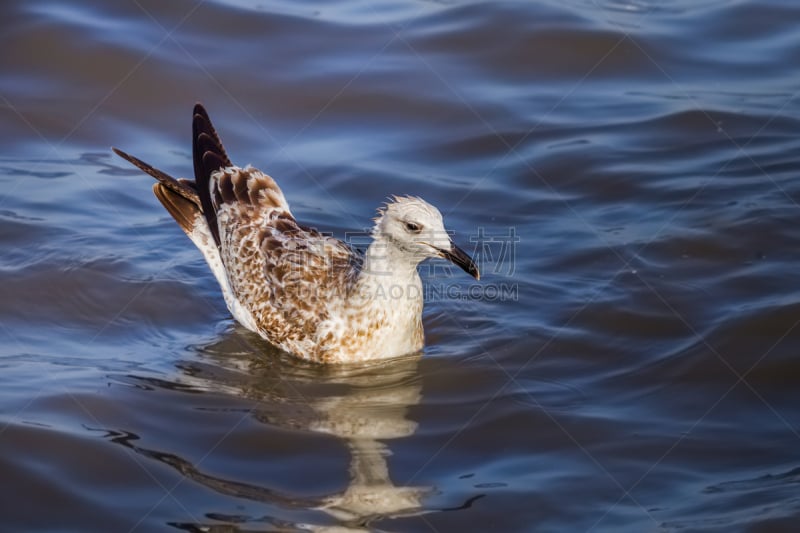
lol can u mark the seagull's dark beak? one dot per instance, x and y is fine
(460, 258)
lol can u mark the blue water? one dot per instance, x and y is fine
(625, 172)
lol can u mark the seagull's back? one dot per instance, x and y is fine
(285, 279)
(290, 278)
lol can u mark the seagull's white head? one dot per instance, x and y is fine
(415, 227)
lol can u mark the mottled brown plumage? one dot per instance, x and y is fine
(303, 291)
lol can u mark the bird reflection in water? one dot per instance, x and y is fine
(364, 405)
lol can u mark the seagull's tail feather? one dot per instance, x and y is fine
(209, 156)
(182, 210)
(178, 196)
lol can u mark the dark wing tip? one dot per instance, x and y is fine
(209, 156)
(205, 137)
(122, 154)
(213, 162)
(182, 187)
(200, 110)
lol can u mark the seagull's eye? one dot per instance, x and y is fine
(413, 228)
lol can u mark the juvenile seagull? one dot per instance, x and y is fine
(307, 293)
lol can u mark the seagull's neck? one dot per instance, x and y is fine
(389, 290)
(386, 264)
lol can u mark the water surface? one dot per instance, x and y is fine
(625, 172)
